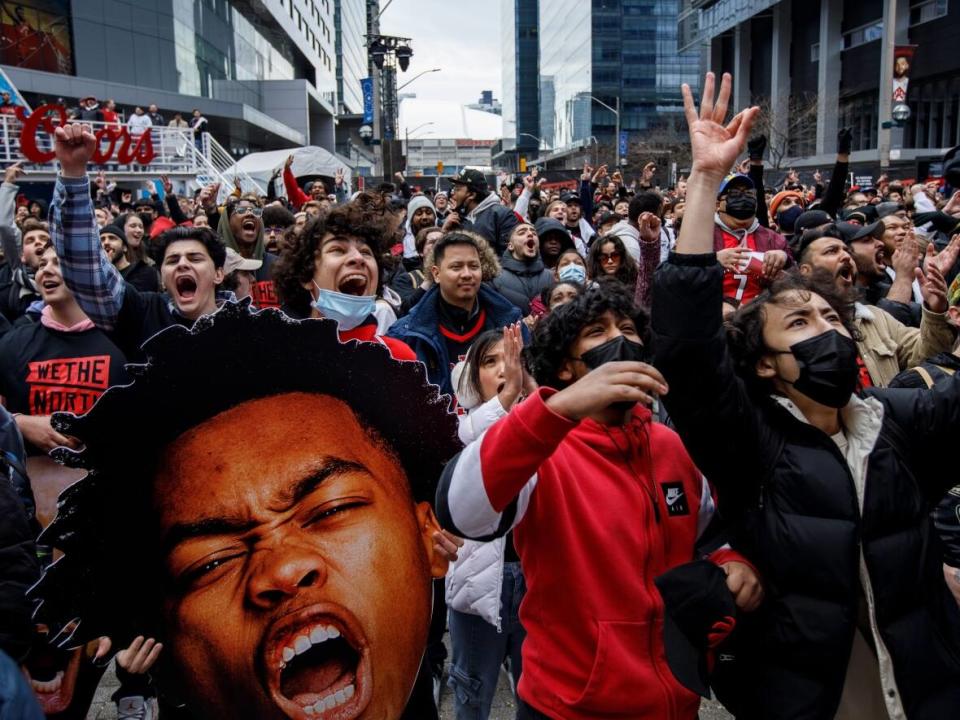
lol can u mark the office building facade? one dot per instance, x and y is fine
(831, 61)
(612, 50)
(264, 72)
(520, 102)
(350, 22)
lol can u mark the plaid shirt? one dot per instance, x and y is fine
(87, 270)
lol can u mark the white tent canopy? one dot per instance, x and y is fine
(309, 160)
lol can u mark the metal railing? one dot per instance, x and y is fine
(176, 154)
(226, 166)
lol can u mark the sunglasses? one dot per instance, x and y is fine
(246, 209)
(610, 257)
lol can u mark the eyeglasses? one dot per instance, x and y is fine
(610, 257)
(733, 194)
(275, 230)
(246, 209)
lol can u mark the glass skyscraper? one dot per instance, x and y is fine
(611, 49)
(520, 76)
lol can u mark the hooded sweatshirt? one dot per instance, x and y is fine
(409, 240)
(597, 514)
(264, 292)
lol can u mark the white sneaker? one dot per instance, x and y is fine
(436, 691)
(137, 707)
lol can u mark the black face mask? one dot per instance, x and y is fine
(741, 208)
(828, 368)
(787, 218)
(617, 350)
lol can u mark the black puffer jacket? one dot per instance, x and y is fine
(520, 282)
(791, 497)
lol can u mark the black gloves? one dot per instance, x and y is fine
(756, 147)
(946, 520)
(844, 141)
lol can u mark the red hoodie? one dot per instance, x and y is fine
(593, 528)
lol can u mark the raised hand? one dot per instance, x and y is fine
(288, 162)
(587, 173)
(933, 287)
(756, 148)
(512, 367)
(529, 182)
(73, 146)
(167, 185)
(649, 227)
(946, 258)
(612, 382)
(13, 172)
(600, 174)
(338, 178)
(140, 656)
(715, 146)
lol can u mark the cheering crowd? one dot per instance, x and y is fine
(692, 441)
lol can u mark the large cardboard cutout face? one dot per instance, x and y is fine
(277, 526)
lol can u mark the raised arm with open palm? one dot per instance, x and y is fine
(715, 148)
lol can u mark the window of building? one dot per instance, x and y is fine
(927, 10)
(863, 34)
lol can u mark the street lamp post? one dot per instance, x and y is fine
(616, 113)
(421, 74)
(406, 139)
(541, 144)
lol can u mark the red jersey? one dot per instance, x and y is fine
(742, 286)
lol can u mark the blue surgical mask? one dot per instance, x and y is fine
(573, 273)
(348, 310)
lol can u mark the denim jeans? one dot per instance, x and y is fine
(17, 701)
(479, 650)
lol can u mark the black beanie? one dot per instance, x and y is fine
(114, 230)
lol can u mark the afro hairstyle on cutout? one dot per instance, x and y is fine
(105, 523)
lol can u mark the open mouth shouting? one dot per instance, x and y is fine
(881, 263)
(317, 665)
(53, 676)
(186, 287)
(845, 272)
(353, 284)
(250, 227)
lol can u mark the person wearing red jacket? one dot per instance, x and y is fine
(601, 501)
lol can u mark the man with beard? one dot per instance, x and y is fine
(287, 575)
(241, 228)
(523, 275)
(191, 269)
(142, 276)
(887, 346)
(479, 210)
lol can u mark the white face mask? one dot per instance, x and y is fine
(348, 310)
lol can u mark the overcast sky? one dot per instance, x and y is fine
(461, 39)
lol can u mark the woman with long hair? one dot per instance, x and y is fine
(609, 259)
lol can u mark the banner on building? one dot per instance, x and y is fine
(35, 34)
(902, 60)
(624, 137)
(367, 85)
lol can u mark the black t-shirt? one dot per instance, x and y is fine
(43, 371)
